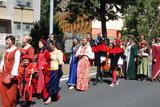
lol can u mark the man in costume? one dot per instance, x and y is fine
(114, 54)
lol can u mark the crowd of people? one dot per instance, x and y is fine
(129, 59)
(21, 78)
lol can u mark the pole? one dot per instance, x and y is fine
(51, 16)
(21, 22)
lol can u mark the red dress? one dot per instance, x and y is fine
(29, 51)
(83, 71)
(8, 93)
(156, 65)
(43, 62)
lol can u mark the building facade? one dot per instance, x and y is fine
(17, 17)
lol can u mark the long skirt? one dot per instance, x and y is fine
(43, 78)
(143, 67)
(73, 74)
(8, 93)
(53, 84)
(156, 70)
(83, 73)
(131, 68)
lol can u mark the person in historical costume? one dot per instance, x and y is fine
(73, 63)
(100, 57)
(90, 39)
(142, 40)
(43, 64)
(131, 54)
(51, 37)
(25, 77)
(156, 60)
(114, 54)
(26, 48)
(55, 73)
(121, 62)
(143, 54)
(9, 72)
(85, 54)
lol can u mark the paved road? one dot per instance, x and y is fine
(128, 94)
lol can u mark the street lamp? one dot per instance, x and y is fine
(51, 16)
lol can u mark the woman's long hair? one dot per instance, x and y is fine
(56, 44)
(45, 47)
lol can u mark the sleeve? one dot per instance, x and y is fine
(31, 52)
(47, 56)
(60, 58)
(126, 51)
(147, 44)
(2, 63)
(135, 51)
(146, 52)
(16, 64)
(89, 53)
(78, 51)
(153, 52)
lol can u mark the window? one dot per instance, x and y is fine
(19, 3)
(24, 3)
(2, 2)
(27, 27)
(29, 3)
(17, 26)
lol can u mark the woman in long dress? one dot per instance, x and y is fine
(143, 54)
(73, 63)
(85, 54)
(43, 61)
(26, 48)
(8, 73)
(156, 60)
(55, 72)
(131, 56)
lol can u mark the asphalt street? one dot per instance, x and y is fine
(129, 93)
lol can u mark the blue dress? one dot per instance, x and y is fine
(73, 68)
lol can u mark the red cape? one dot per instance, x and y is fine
(116, 50)
(98, 48)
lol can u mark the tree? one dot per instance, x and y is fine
(102, 10)
(143, 18)
(41, 28)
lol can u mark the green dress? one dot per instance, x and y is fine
(143, 64)
(131, 64)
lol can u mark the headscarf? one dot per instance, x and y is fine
(76, 37)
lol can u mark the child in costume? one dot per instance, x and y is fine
(25, 79)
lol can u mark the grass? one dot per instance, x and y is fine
(66, 69)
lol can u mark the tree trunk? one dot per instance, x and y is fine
(103, 18)
(104, 28)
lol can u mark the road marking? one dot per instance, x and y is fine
(66, 76)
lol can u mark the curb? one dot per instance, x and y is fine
(65, 77)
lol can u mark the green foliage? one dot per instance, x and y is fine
(102, 10)
(41, 28)
(142, 18)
